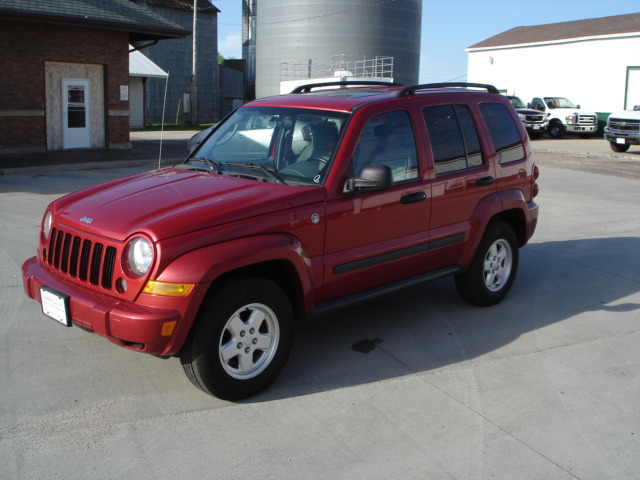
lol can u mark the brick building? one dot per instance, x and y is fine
(65, 75)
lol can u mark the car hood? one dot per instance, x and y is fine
(631, 114)
(529, 111)
(168, 202)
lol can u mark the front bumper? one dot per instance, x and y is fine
(535, 127)
(622, 138)
(582, 128)
(130, 325)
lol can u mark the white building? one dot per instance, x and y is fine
(594, 63)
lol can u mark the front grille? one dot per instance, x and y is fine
(624, 125)
(587, 119)
(534, 118)
(81, 258)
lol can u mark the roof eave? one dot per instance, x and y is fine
(552, 42)
(136, 32)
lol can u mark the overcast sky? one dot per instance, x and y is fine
(450, 27)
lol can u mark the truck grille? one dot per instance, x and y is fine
(624, 125)
(587, 119)
(81, 258)
(534, 118)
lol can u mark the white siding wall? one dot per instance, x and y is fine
(591, 73)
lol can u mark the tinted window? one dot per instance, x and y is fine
(454, 139)
(504, 133)
(387, 139)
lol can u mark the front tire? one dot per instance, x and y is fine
(241, 339)
(617, 147)
(556, 130)
(493, 269)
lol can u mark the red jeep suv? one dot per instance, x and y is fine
(292, 207)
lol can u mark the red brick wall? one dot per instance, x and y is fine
(24, 49)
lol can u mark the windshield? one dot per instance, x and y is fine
(558, 102)
(281, 145)
(516, 102)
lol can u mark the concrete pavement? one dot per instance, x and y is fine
(541, 386)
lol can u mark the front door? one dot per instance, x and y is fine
(376, 238)
(75, 113)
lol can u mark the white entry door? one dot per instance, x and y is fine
(75, 113)
(633, 88)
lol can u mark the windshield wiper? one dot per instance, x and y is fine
(213, 165)
(267, 171)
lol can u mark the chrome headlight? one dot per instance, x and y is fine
(46, 225)
(139, 255)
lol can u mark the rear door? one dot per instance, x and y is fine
(462, 176)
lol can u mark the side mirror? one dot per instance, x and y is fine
(578, 106)
(373, 178)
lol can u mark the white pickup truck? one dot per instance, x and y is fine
(623, 129)
(565, 117)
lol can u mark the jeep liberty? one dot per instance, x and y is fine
(292, 207)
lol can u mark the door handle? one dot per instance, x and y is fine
(414, 197)
(484, 181)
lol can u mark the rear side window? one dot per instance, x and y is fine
(504, 133)
(454, 139)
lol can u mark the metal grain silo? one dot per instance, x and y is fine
(294, 37)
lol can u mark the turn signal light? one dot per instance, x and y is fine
(154, 287)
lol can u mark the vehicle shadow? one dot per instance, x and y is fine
(427, 328)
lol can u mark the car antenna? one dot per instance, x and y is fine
(164, 104)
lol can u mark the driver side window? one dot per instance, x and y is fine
(387, 139)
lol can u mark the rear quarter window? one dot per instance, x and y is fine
(504, 133)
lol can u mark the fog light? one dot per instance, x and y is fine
(121, 285)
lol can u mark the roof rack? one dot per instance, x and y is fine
(307, 88)
(408, 91)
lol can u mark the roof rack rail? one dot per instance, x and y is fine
(307, 88)
(405, 92)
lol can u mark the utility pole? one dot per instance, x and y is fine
(194, 94)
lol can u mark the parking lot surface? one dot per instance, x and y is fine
(416, 384)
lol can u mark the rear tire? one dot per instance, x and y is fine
(616, 147)
(493, 269)
(241, 339)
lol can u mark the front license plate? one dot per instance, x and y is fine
(622, 141)
(536, 127)
(55, 305)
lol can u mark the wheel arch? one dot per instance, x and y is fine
(508, 206)
(280, 258)
(279, 271)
